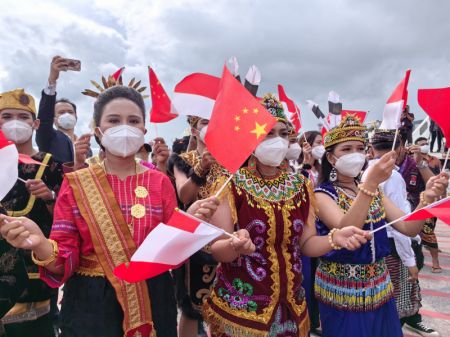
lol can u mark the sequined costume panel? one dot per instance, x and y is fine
(261, 294)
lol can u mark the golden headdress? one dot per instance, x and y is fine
(350, 128)
(111, 82)
(17, 99)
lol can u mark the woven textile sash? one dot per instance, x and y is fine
(113, 245)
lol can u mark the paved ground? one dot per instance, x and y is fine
(436, 287)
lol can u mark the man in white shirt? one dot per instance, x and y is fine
(402, 261)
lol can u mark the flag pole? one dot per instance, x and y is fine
(395, 139)
(446, 159)
(24, 181)
(156, 130)
(206, 223)
(389, 224)
(223, 186)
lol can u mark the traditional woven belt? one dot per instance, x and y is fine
(89, 266)
(353, 287)
(22, 312)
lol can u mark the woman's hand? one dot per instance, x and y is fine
(21, 232)
(242, 244)
(351, 237)
(381, 170)
(205, 208)
(307, 156)
(436, 187)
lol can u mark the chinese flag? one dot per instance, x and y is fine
(162, 109)
(238, 124)
(436, 103)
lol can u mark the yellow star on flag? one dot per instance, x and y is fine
(255, 110)
(245, 110)
(259, 130)
(237, 118)
(237, 128)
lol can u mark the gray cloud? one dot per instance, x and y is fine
(358, 48)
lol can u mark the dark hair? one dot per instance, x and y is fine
(118, 91)
(65, 100)
(310, 138)
(383, 146)
(180, 145)
(420, 139)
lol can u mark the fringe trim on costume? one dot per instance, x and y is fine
(356, 288)
(218, 325)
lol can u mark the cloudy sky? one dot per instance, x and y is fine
(358, 48)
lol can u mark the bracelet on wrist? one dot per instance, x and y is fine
(330, 239)
(422, 199)
(366, 191)
(50, 259)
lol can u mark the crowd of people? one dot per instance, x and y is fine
(302, 208)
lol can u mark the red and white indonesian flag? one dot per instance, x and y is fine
(290, 106)
(196, 94)
(167, 247)
(9, 159)
(393, 109)
(439, 209)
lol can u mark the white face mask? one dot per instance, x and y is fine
(202, 133)
(293, 151)
(123, 140)
(425, 149)
(317, 152)
(17, 131)
(271, 152)
(351, 164)
(67, 121)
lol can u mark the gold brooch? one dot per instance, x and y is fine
(141, 192)
(137, 211)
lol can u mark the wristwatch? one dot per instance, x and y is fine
(52, 200)
(423, 164)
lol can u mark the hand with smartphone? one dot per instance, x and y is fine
(62, 64)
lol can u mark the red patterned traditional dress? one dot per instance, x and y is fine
(261, 294)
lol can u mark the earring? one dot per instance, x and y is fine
(333, 175)
(252, 164)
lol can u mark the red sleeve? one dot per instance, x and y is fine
(168, 198)
(65, 232)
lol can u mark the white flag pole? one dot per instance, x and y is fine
(446, 159)
(395, 139)
(223, 186)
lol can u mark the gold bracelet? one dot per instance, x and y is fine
(50, 259)
(330, 239)
(422, 199)
(198, 170)
(367, 192)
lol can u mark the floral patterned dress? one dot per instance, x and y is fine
(261, 294)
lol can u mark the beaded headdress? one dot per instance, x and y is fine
(274, 106)
(383, 136)
(111, 82)
(350, 128)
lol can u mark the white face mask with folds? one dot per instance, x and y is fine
(317, 152)
(123, 140)
(202, 133)
(17, 131)
(293, 151)
(271, 152)
(351, 164)
(67, 121)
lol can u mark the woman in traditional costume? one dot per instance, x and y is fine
(103, 213)
(354, 289)
(258, 290)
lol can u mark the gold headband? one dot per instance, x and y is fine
(350, 128)
(17, 99)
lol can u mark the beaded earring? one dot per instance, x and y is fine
(333, 175)
(284, 166)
